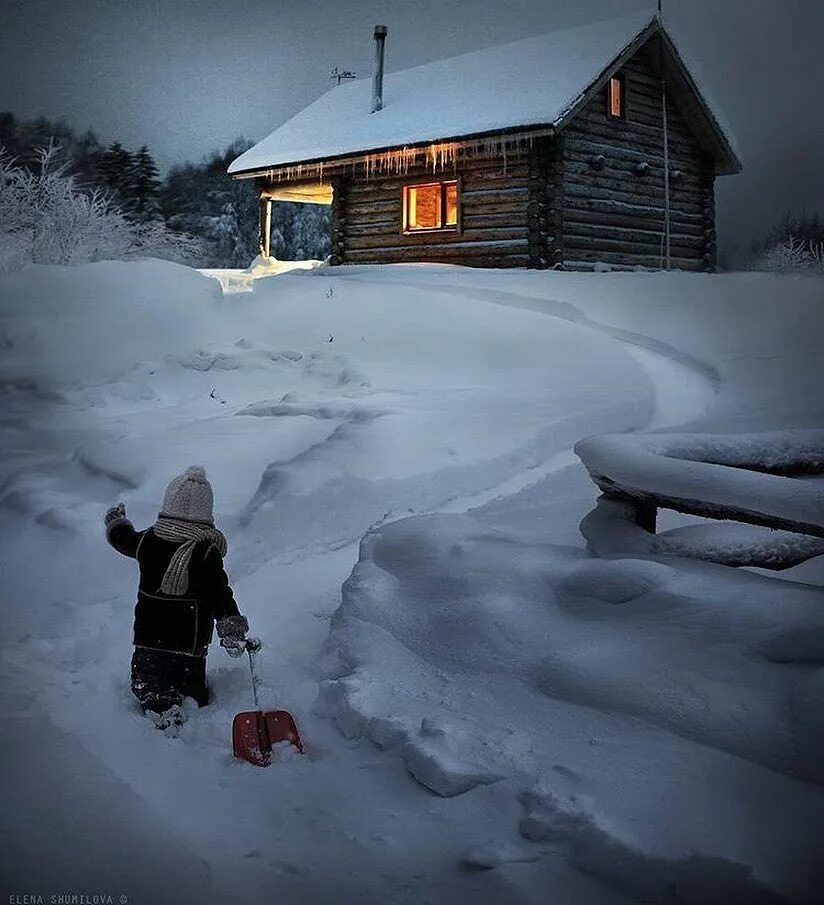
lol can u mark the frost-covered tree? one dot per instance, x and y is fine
(794, 245)
(23, 138)
(45, 218)
(311, 227)
(792, 255)
(194, 199)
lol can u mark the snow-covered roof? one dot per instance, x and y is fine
(535, 81)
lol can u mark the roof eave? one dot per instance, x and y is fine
(342, 159)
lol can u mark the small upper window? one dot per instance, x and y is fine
(615, 97)
(432, 205)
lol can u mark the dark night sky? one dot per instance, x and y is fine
(187, 76)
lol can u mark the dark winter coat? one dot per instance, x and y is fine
(180, 625)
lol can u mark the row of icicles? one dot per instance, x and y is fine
(437, 157)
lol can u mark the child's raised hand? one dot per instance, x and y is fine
(116, 512)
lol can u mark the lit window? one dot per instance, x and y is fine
(615, 97)
(433, 205)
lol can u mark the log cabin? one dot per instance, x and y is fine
(584, 149)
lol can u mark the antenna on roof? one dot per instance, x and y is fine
(341, 74)
(660, 11)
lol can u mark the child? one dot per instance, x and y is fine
(183, 590)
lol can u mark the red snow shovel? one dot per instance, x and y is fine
(254, 732)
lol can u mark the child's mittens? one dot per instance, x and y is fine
(115, 513)
(115, 516)
(232, 633)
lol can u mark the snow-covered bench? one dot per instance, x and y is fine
(754, 479)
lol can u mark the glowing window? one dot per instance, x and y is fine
(615, 97)
(433, 205)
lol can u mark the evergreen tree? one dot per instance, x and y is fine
(145, 185)
(116, 174)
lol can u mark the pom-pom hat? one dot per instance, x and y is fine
(189, 497)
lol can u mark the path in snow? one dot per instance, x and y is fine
(553, 308)
(683, 385)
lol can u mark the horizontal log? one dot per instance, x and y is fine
(624, 171)
(480, 206)
(473, 181)
(649, 243)
(706, 509)
(470, 181)
(369, 229)
(641, 106)
(630, 154)
(594, 141)
(410, 240)
(630, 237)
(444, 250)
(492, 196)
(654, 118)
(652, 261)
(355, 206)
(481, 219)
(630, 134)
(413, 255)
(642, 79)
(608, 219)
(636, 207)
(640, 192)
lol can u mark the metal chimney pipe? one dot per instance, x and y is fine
(377, 80)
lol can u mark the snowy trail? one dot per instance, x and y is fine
(553, 308)
(684, 387)
(682, 395)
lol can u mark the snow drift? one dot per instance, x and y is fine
(613, 730)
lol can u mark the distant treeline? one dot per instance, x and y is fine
(198, 199)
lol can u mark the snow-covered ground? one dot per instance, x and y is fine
(521, 723)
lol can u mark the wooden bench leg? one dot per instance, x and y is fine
(645, 515)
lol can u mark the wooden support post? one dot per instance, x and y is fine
(267, 227)
(645, 515)
(264, 226)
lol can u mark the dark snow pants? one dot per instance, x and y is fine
(162, 678)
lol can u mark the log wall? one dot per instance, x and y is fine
(613, 181)
(493, 230)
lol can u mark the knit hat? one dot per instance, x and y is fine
(189, 497)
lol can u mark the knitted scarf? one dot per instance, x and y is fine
(188, 534)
